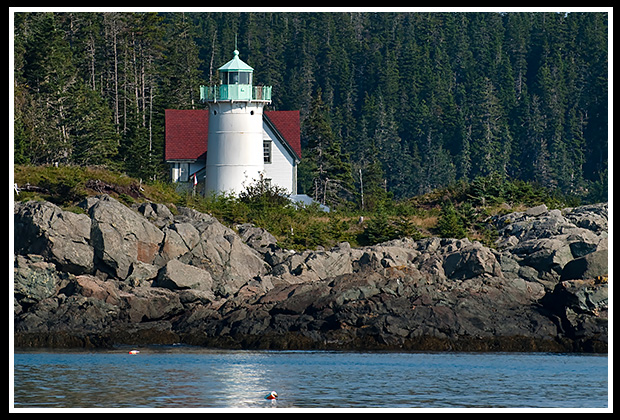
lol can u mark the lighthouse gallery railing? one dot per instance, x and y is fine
(214, 93)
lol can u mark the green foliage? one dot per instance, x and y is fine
(416, 101)
(486, 190)
(327, 171)
(495, 189)
(383, 225)
(64, 188)
(378, 229)
(450, 223)
(261, 196)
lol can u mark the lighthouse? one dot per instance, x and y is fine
(235, 129)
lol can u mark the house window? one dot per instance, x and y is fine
(267, 151)
(180, 172)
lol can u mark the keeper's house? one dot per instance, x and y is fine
(187, 147)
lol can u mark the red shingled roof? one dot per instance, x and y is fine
(287, 123)
(187, 132)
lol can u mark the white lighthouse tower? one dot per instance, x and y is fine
(235, 138)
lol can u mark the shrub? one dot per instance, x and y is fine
(262, 195)
(378, 228)
(450, 224)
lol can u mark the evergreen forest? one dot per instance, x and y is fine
(393, 105)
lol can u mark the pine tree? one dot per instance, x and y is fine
(449, 224)
(180, 78)
(94, 136)
(327, 166)
(53, 88)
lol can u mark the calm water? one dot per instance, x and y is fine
(187, 377)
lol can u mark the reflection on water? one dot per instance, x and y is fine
(197, 378)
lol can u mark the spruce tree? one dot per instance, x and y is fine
(449, 224)
(326, 168)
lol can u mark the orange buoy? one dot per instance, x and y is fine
(272, 395)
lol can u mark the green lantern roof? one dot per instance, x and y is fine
(236, 64)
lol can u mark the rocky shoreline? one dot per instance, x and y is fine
(145, 275)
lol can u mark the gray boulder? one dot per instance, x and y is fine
(33, 280)
(220, 251)
(158, 214)
(536, 211)
(593, 217)
(103, 290)
(472, 261)
(178, 276)
(590, 266)
(179, 239)
(142, 274)
(545, 243)
(582, 296)
(62, 237)
(152, 304)
(545, 255)
(582, 310)
(257, 238)
(121, 236)
(395, 253)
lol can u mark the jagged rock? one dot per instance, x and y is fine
(158, 214)
(470, 262)
(581, 296)
(550, 240)
(121, 236)
(179, 239)
(592, 217)
(219, 250)
(524, 226)
(536, 211)
(583, 241)
(34, 280)
(76, 314)
(395, 253)
(545, 255)
(178, 276)
(152, 304)
(327, 264)
(590, 266)
(91, 286)
(142, 274)
(60, 236)
(257, 238)
(582, 309)
(296, 267)
(158, 277)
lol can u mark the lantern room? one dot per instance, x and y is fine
(236, 80)
(235, 84)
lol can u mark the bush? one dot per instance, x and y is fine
(450, 224)
(262, 195)
(378, 228)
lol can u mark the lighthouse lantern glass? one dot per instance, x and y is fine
(236, 78)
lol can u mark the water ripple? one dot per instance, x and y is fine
(197, 378)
